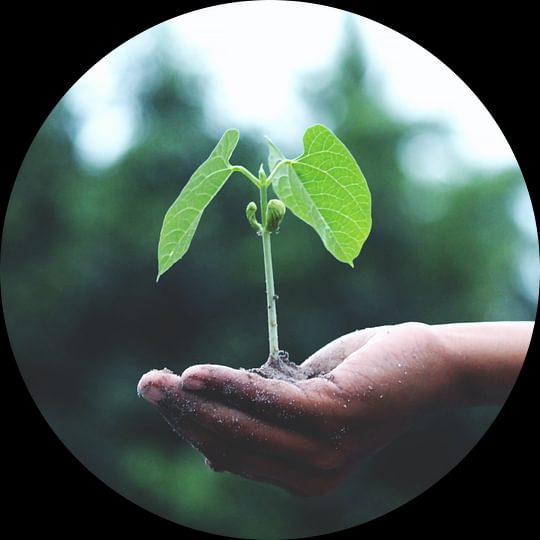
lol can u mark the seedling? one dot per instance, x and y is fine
(324, 187)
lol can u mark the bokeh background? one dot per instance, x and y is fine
(453, 239)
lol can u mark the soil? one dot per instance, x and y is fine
(284, 369)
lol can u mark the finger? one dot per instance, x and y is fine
(162, 388)
(302, 404)
(237, 386)
(299, 479)
(158, 384)
(237, 428)
(366, 368)
(331, 355)
(232, 441)
(205, 442)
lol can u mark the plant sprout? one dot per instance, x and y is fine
(324, 187)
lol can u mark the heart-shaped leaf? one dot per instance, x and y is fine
(326, 188)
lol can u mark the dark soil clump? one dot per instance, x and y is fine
(284, 369)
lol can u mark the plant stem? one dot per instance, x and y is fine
(269, 278)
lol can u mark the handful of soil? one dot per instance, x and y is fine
(284, 369)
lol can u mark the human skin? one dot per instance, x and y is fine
(308, 436)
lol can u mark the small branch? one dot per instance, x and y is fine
(275, 169)
(251, 177)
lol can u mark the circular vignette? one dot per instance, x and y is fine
(501, 418)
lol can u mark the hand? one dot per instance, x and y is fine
(308, 436)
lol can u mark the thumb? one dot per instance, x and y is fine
(334, 353)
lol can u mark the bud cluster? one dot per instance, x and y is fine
(275, 212)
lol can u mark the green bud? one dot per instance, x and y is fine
(251, 211)
(262, 174)
(275, 212)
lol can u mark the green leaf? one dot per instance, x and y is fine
(326, 188)
(182, 218)
(274, 155)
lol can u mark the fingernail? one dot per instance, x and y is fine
(157, 384)
(193, 383)
(152, 394)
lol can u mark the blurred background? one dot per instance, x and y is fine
(453, 239)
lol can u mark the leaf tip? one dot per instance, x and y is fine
(233, 131)
(161, 271)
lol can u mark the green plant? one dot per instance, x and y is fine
(323, 187)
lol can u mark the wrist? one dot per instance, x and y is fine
(484, 359)
(462, 377)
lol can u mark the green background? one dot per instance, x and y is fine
(86, 318)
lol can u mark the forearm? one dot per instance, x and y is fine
(487, 358)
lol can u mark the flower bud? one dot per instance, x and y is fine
(251, 210)
(275, 212)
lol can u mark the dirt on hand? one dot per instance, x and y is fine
(284, 369)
